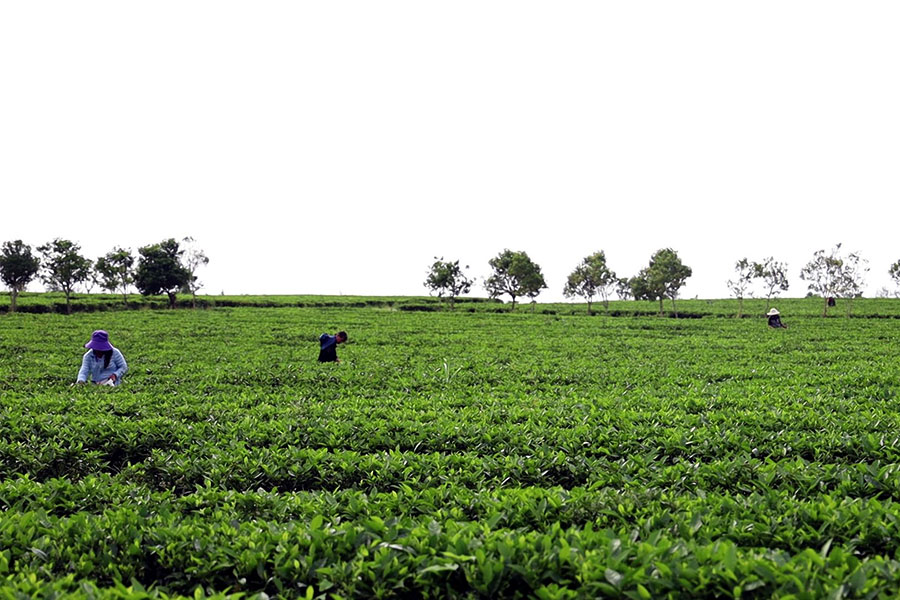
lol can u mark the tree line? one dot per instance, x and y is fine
(829, 275)
(168, 267)
(514, 274)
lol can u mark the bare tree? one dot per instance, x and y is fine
(192, 259)
(774, 276)
(739, 285)
(831, 275)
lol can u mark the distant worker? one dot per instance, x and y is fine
(328, 346)
(775, 319)
(103, 363)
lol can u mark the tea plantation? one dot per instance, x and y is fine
(465, 455)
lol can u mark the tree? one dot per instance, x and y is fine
(62, 267)
(17, 268)
(739, 285)
(774, 276)
(662, 278)
(447, 279)
(89, 283)
(894, 272)
(590, 278)
(160, 270)
(853, 278)
(115, 269)
(665, 265)
(514, 274)
(641, 289)
(623, 288)
(193, 259)
(830, 275)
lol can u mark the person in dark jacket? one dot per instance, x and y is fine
(328, 346)
(775, 319)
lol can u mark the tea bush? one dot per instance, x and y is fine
(464, 454)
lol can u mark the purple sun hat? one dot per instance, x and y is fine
(99, 341)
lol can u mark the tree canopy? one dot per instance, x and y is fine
(447, 278)
(515, 274)
(62, 267)
(17, 268)
(590, 278)
(115, 269)
(661, 279)
(894, 272)
(160, 270)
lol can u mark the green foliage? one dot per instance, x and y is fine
(590, 278)
(447, 278)
(516, 275)
(62, 267)
(17, 268)
(115, 269)
(661, 279)
(487, 455)
(623, 288)
(160, 270)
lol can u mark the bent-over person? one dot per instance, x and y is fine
(328, 346)
(775, 319)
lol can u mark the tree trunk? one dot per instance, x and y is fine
(513, 307)
(674, 308)
(68, 305)
(740, 307)
(193, 299)
(13, 294)
(589, 308)
(171, 299)
(660, 306)
(825, 308)
(125, 298)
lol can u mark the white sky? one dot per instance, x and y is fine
(337, 147)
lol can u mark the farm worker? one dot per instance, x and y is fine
(328, 346)
(103, 363)
(774, 319)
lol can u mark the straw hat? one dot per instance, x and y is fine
(772, 312)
